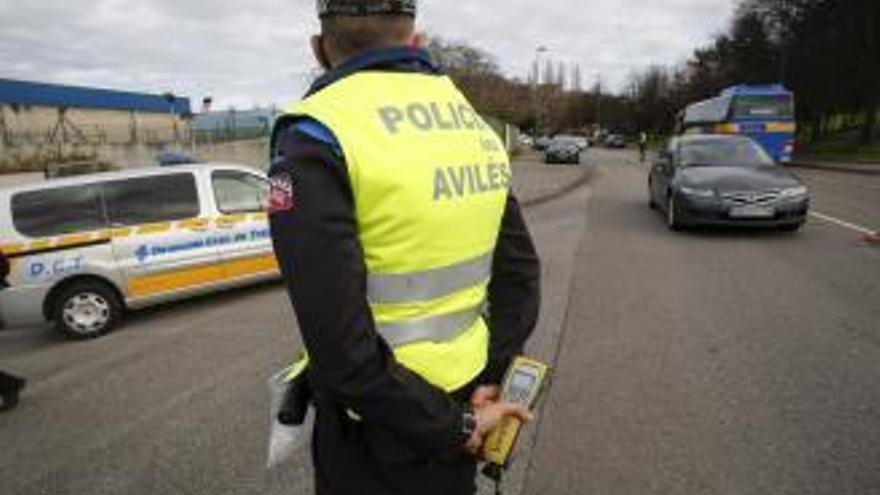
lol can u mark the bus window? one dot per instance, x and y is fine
(763, 107)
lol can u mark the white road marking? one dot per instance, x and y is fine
(843, 223)
(836, 183)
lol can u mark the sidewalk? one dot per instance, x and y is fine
(536, 183)
(834, 166)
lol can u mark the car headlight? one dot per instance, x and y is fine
(699, 193)
(795, 192)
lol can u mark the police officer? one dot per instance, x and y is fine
(10, 385)
(413, 275)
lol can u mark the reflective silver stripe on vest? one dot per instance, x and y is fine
(443, 328)
(429, 285)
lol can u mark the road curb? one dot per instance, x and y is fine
(836, 168)
(563, 190)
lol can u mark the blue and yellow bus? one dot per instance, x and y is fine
(764, 113)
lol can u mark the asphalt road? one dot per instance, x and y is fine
(732, 363)
(726, 363)
(850, 197)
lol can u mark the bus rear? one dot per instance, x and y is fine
(766, 114)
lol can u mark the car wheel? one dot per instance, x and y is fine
(651, 203)
(792, 227)
(87, 310)
(672, 220)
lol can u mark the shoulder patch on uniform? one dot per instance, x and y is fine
(281, 193)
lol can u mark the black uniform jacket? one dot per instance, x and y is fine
(315, 234)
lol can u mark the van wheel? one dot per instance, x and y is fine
(87, 310)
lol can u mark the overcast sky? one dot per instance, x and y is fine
(256, 51)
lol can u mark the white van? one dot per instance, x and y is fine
(83, 250)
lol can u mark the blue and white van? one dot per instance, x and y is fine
(84, 250)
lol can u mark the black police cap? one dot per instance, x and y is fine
(361, 8)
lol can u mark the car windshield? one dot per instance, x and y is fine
(723, 153)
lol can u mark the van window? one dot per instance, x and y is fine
(163, 198)
(52, 212)
(239, 192)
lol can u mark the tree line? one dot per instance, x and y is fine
(551, 100)
(826, 51)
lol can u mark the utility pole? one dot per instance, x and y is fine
(599, 102)
(536, 83)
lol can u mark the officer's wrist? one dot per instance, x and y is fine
(468, 431)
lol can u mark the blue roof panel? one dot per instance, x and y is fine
(56, 95)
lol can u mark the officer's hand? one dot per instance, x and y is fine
(485, 395)
(489, 416)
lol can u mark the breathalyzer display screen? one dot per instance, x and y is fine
(520, 386)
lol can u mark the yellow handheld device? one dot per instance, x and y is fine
(523, 383)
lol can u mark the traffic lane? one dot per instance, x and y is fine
(849, 197)
(176, 402)
(719, 362)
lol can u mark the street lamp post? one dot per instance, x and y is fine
(536, 106)
(599, 102)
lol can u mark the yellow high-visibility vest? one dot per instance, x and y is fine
(430, 182)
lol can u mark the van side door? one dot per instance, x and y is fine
(241, 198)
(162, 236)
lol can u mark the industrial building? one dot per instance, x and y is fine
(35, 114)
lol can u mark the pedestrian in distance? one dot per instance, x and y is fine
(643, 146)
(413, 275)
(10, 385)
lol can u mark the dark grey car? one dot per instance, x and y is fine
(710, 180)
(615, 141)
(563, 151)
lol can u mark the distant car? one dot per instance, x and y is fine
(616, 141)
(713, 180)
(580, 141)
(171, 158)
(541, 143)
(563, 151)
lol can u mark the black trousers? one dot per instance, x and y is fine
(353, 459)
(10, 383)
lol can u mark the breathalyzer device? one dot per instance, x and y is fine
(522, 384)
